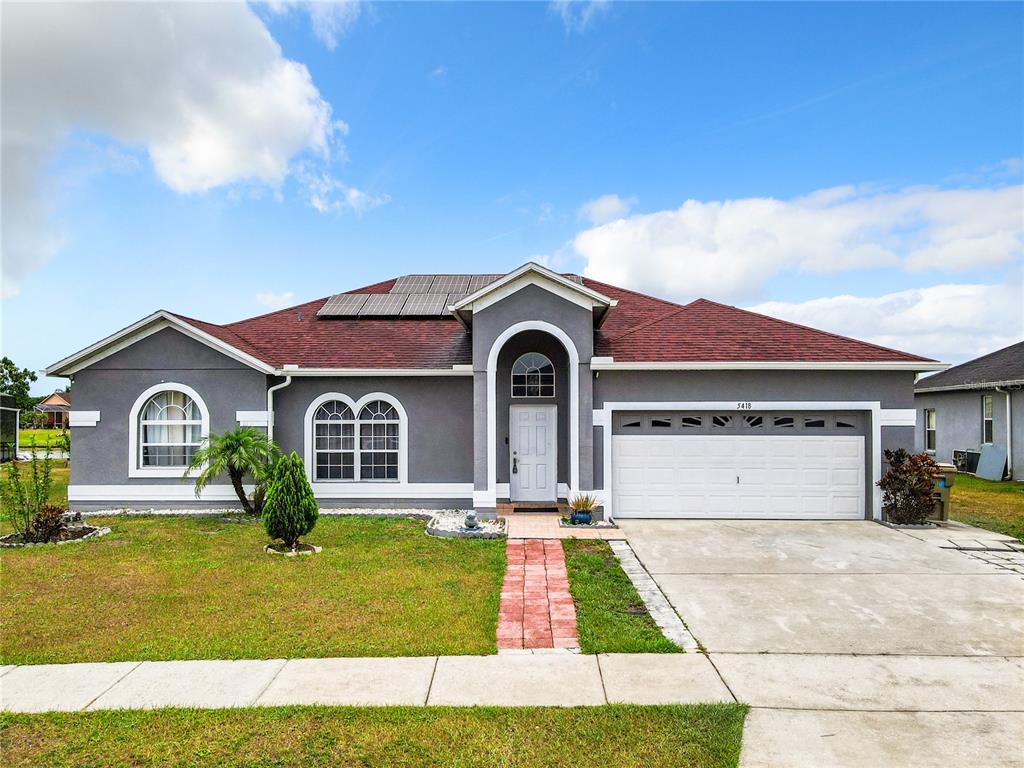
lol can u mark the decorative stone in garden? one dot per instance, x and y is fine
(452, 524)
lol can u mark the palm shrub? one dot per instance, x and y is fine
(290, 510)
(243, 452)
(907, 487)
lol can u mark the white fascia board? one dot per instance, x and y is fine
(453, 371)
(599, 364)
(978, 386)
(147, 326)
(83, 418)
(525, 270)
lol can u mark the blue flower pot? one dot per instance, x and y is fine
(581, 518)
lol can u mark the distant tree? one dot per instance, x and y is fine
(290, 511)
(243, 452)
(16, 381)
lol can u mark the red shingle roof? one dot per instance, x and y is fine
(640, 329)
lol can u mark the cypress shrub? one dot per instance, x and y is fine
(290, 509)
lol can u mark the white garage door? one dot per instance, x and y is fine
(810, 477)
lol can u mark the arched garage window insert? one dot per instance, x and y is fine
(166, 426)
(533, 375)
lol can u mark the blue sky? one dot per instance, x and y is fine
(856, 167)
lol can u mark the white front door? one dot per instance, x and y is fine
(533, 453)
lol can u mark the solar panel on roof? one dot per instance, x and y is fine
(342, 304)
(449, 284)
(454, 297)
(476, 282)
(413, 284)
(384, 304)
(425, 304)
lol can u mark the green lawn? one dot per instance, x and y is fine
(610, 616)
(696, 736)
(994, 506)
(199, 588)
(42, 438)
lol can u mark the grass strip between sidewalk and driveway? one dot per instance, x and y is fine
(610, 615)
(693, 736)
(162, 588)
(993, 506)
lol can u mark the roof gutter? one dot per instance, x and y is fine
(975, 385)
(1009, 431)
(609, 364)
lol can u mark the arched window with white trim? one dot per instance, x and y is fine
(533, 375)
(334, 438)
(166, 426)
(379, 424)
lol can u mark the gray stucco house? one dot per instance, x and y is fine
(474, 390)
(972, 404)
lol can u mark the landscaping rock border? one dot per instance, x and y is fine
(598, 524)
(907, 526)
(303, 549)
(95, 533)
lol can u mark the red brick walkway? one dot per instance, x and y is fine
(536, 608)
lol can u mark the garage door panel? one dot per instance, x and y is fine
(779, 476)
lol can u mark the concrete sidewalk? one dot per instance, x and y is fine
(511, 679)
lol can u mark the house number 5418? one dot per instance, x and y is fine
(743, 406)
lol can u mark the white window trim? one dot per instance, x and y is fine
(134, 468)
(934, 430)
(513, 374)
(880, 417)
(988, 419)
(363, 486)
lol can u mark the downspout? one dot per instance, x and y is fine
(270, 404)
(1009, 431)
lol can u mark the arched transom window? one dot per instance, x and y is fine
(533, 375)
(338, 455)
(170, 430)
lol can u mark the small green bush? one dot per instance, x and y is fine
(290, 509)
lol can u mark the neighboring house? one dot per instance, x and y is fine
(972, 404)
(56, 407)
(9, 413)
(474, 390)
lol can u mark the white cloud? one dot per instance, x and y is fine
(950, 322)
(729, 249)
(606, 208)
(440, 72)
(330, 19)
(202, 88)
(273, 300)
(327, 194)
(578, 15)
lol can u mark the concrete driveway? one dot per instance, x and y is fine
(855, 644)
